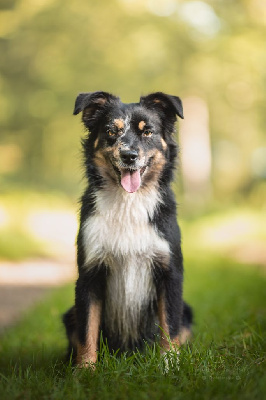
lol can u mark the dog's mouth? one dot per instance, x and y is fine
(130, 179)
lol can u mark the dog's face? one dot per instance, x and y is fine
(128, 143)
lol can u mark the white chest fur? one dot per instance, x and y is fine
(120, 235)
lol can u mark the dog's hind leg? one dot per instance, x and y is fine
(69, 320)
(170, 308)
(187, 320)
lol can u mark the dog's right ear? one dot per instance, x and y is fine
(91, 103)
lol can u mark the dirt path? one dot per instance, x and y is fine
(24, 284)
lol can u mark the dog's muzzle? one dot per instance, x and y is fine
(130, 170)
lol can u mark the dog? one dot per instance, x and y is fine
(129, 288)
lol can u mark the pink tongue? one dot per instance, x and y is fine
(130, 180)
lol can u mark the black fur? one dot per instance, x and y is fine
(129, 145)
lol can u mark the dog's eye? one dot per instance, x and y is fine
(147, 133)
(111, 133)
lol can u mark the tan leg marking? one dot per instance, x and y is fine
(165, 341)
(87, 354)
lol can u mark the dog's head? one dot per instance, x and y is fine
(129, 144)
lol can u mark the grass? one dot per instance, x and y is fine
(225, 360)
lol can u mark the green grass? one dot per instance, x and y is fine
(225, 360)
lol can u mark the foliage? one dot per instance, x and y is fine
(16, 245)
(51, 50)
(34, 224)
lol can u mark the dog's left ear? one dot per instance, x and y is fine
(163, 103)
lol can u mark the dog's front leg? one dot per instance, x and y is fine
(89, 313)
(87, 349)
(170, 307)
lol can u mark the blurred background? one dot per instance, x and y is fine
(210, 53)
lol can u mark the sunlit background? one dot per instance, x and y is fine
(210, 53)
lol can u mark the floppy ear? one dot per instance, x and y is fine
(169, 105)
(91, 103)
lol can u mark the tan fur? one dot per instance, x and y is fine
(87, 354)
(100, 160)
(142, 125)
(165, 342)
(141, 153)
(151, 176)
(163, 144)
(184, 335)
(119, 123)
(112, 150)
(96, 143)
(87, 112)
(105, 167)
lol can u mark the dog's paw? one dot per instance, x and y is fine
(84, 366)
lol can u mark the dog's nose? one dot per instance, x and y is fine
(128, 156)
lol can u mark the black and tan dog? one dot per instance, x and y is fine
(129, 287)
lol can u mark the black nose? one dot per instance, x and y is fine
(128, 156)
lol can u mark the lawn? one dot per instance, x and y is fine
(225, 359)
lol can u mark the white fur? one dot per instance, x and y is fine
(126, 127)
(129, 287)
(126, 124)
(119, 234)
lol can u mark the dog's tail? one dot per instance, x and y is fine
(187, 321)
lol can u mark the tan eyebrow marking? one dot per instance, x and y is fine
(119, 123)
(142, 125)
